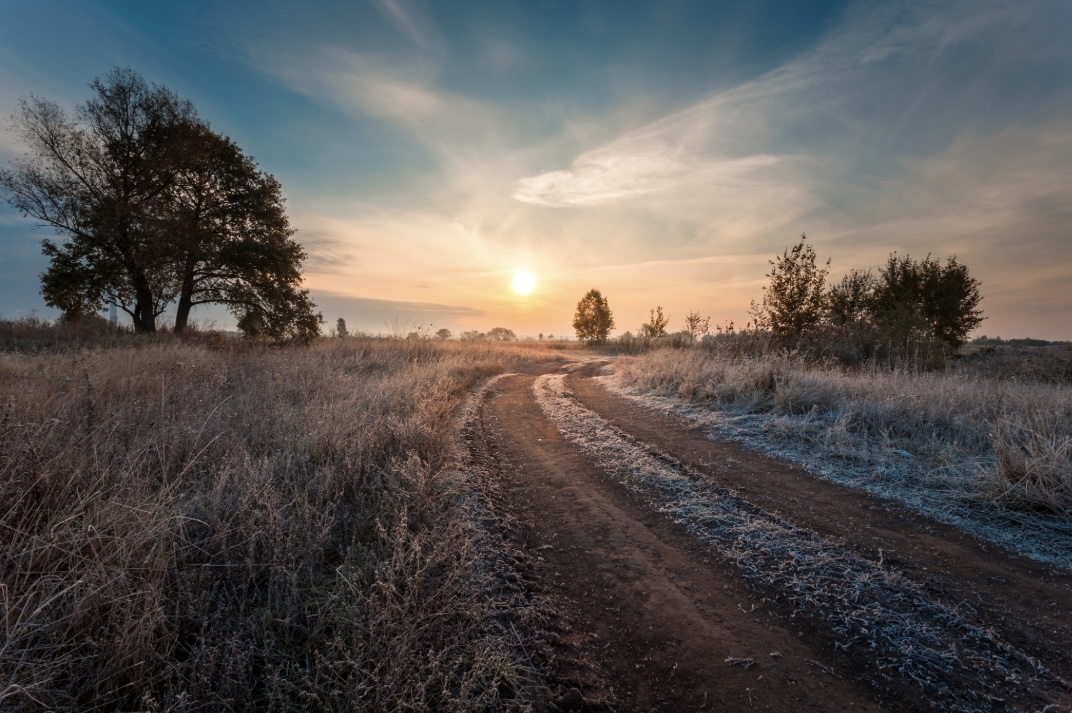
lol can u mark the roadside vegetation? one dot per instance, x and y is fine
(872, 380)
(211, 524)
(1003, 441)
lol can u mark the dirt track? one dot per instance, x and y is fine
(652, 617)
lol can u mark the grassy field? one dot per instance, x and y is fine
(982, 441)
(207, 525)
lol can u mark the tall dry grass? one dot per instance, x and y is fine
(236, 528)
(1005, 442)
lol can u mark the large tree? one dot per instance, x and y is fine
(232, 242)
(98, 179)
(593, 319)
(153, 207)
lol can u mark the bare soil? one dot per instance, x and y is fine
(646, 617)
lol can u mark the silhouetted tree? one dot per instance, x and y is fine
(153, 207)
(98, 179)
(593, 319)
(696, 325)
(656, 326)
(501, 334)
(232, 240)
(926, 299)
(340, 327)
(444, 333)
(794, 301)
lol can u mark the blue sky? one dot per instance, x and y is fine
(662, 152)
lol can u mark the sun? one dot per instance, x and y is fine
(524, 281)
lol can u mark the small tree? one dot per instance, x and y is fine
(794, 301)
(501, 334)
(696, 325)
(443, 333)
(656, 326)
(593, 319)
(472, 335)
(340, 328)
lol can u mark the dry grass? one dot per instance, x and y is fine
(1048, 363)
(196, 528)
(973, 428)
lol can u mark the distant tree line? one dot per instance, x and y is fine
(916, 310)
(495, 334)
(155, 209)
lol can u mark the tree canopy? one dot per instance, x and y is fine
(656, 326)
(154, 208)
(593, 319)
(940, 301)
(501, 334)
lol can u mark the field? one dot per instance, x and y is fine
(388, 524)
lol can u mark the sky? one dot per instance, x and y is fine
(661, 152)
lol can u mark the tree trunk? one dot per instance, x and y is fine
(144, 315)
(186, 303)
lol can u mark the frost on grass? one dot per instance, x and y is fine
(940, 479)
(868, 607)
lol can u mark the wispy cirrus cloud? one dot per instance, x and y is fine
(366, 85)
(412, 19)
(833, 104)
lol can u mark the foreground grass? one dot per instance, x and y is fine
(192, 527)
(996, 451)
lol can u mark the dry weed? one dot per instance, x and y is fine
(1033, 466)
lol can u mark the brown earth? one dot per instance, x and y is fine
(648, 618)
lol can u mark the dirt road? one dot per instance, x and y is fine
(689, 574)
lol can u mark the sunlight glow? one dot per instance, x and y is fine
(524, 281)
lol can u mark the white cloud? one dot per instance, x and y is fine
(413, 21)
(829, 104)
